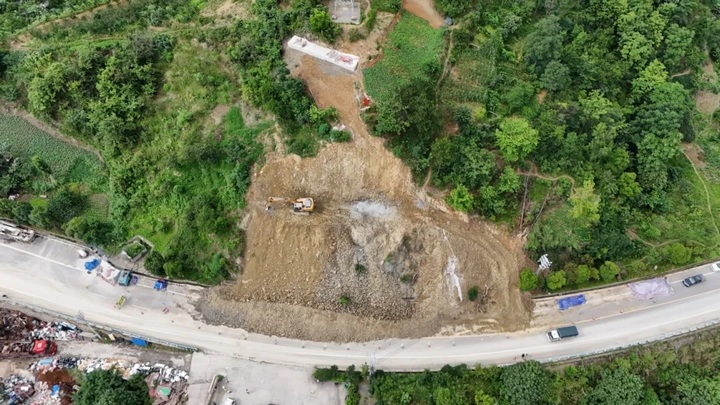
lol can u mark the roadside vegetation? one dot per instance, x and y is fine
(145, 84)
(677, 372)
(565, 121)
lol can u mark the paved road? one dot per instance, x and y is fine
(48, 274)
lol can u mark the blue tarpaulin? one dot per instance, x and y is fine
(92, 264)
(569, 302)
(139, 342)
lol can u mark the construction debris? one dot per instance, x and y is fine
(344, 60)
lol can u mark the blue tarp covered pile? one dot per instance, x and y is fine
(92, 264)
(569, 302)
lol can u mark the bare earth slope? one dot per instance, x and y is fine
(301, 276)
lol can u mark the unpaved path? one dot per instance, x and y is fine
(368, 212)
(707, 192)
(424, 9)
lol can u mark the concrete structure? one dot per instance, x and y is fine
(344, 11)
(344, 60)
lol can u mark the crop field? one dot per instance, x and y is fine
(410, 48)
(68, 163)
(473, 70)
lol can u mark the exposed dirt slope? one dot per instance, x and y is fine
(301, 277)
(424, 9)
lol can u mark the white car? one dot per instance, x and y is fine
(716, 266)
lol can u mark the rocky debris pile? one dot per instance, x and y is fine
(16, 326)
(16, 390)
(49, 395)
(56, 331)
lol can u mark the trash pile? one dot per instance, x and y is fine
(167, 385)
(16, 389)
(18, 326)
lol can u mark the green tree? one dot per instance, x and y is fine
(482, 398)
(583, 274)
(528, 280)
(460, 199)
(526, 383)
(677, 254)
(322, 24)
(90, 229)
(154, 263)
(64, 205)
(556, 280)
(516, 138)
(678, 42)
(617, 386)
(107, 387)
(694, 390)
(609, 271)
(585, 204)
(545, 42)
(627, 186)
(556, 76)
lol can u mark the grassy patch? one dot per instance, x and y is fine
(411, 49)
(67, 163)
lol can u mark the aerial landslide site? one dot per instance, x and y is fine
(379, 257)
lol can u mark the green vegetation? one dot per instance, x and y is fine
(663, 373)
(411, 52)
(567, 119)
(108, 387)
(473, 293)
(144, 83)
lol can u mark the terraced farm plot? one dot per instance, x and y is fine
(411, 49)
(68, 163)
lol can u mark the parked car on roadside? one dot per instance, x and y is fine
(716, 266)
(691, 281)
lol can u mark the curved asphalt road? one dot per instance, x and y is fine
(47, 274)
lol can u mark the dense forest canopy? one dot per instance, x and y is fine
(593, 99)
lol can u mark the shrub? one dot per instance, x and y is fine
(528, 280)
(460, 199)
(677, 254)
(473, 293)
(608, 271)
(556, 280)
(154, 263)
(360, 268)
(345, 300)
(355, 35)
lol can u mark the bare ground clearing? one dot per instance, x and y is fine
(424, 9)
(409, 246)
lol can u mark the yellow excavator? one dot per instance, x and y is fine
(303, 205)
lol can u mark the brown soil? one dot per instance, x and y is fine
(59, 377)
(707, 102)
(369, 50)
(424, 9)
(695, 154)
(369, 212)
(228, 9)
